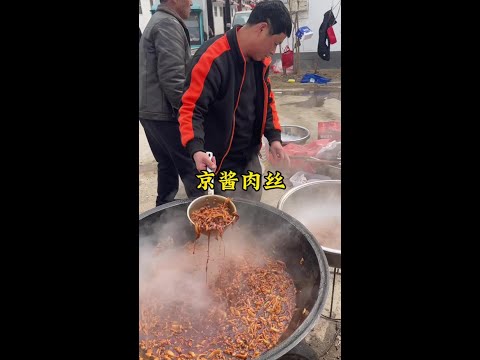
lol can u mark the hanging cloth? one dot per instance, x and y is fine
(323, 49)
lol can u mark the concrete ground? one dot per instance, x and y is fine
(297, 104)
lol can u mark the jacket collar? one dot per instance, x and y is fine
(164, 8)
(233, 41)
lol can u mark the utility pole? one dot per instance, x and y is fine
(210, 17)
(227, 19)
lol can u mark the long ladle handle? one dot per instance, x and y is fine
(210, 156)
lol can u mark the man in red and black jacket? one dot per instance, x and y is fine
(228, 105)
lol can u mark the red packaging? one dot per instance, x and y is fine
(331, 35)
(330, 130)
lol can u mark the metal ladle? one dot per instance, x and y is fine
(210, 200)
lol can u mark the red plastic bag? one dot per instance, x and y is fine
(277, 67)
(331, 35)
(310, 149)
(287, 58)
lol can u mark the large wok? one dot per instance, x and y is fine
(292, 243)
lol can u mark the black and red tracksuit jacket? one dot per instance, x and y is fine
(211, 96)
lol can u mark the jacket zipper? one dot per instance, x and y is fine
(234, 111)
(265, 102)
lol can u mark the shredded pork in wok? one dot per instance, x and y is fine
(253, 306)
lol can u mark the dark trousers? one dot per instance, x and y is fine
(173, 160)
(241, 169)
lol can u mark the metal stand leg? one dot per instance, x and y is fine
(333, 290)
(329, 317)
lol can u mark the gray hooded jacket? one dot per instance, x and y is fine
(163, 57)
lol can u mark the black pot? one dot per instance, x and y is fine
(311, 278)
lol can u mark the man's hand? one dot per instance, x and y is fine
(279, 155)
(202, 161)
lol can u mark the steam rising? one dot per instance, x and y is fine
(321, 216)
(170, 272)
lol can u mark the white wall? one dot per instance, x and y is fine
(146, 15)
(313, 19)
(203, 4)
(218, 20)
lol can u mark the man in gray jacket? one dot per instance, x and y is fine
(164, 53)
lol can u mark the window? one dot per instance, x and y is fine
(151, 3)
(240, 18)
(216, 12)
(221, 12)
(139, 7)
(193, 25)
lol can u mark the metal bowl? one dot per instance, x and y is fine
(210, 201)
(294, 134)
(317, 205)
